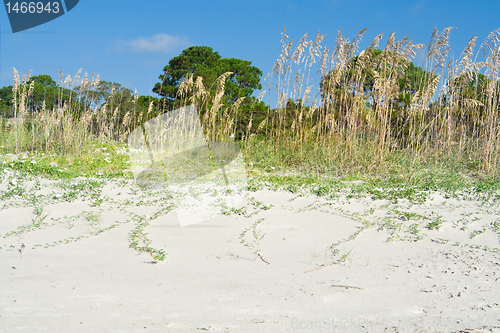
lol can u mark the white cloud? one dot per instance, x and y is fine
(419, 7)
(162, 43)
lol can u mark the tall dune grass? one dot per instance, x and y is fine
(331, 119)
(336, 110)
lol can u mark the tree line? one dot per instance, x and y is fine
(203, 66)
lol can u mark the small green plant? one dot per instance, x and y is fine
(95, 219)
(441, 240)
(414, 229)
(496, 225)
(435, 225)
(226, 210)
(97, 201)
(138, 235)
(158, 255)
(334, 249)
(346, 255)
(408, 215)
(343, 257)
(367, 223)
(258, 236)
(391, 225)
(313, 254)
(40, 216)
(322, 190)
(477, 232)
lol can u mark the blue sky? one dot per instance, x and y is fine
(130, 42)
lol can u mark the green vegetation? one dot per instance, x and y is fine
(258, 235)
(436, 224)
(374, 116)
(371, 123)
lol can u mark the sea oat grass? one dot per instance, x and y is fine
(377, 111)
(368, 114)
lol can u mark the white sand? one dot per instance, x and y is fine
(68, 279)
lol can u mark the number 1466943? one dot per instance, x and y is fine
(32, 7)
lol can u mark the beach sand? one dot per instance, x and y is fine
(265, 266)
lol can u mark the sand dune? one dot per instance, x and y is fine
(71, 267)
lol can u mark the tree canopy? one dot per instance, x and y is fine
(44, 89)
(203, 61)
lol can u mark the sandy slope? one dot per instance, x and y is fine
(217, 278)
